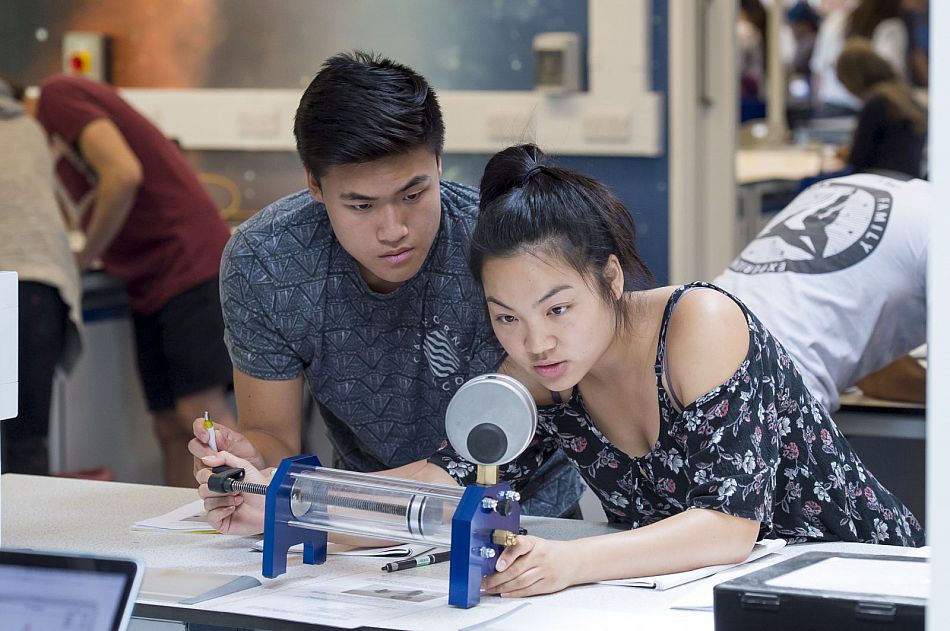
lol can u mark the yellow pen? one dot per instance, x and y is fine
(210, 427)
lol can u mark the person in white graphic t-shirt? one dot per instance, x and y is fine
(839, 276)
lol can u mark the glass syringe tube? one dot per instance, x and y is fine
(371, 505)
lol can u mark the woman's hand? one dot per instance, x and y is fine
(233, 513)
(533, 566)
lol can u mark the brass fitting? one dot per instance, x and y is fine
(487, 475)
(503, 538)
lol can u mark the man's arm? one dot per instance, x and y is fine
(120, 175)
(269, 415)
(902, 380)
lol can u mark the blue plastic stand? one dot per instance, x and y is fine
(278, 535)
(472, 527)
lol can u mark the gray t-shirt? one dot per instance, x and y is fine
(384, 365)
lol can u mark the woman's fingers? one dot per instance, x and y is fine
(511, 564)
(520, 584)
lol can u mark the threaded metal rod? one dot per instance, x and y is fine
(248, 487)
(314, 497)
(345, 501)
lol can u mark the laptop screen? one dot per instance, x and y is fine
(61, 592)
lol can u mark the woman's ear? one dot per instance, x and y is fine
(613, 273)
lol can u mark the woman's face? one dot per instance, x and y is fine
(552, 323)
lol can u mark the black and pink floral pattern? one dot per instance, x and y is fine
(758, 446)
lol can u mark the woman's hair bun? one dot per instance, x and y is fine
(510, 169)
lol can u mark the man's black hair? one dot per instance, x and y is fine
(361, 107)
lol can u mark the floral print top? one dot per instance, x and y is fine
(757, 446)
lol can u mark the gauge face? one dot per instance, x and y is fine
(491, 419)
(826, 229)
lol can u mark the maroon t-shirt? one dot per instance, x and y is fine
(173, 237)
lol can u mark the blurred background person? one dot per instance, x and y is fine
(892, 128)
(851, 308)
(36, 246)
(154, 227)
(751, 47)
(803, 21)
(918, 27)
(881, 22)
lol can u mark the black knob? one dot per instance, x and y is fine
(223, 477)
(487, 443)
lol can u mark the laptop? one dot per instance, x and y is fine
(67, 592)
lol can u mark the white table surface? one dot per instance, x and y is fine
(94, 517)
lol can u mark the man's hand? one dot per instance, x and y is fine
(226, 439)
(233, 513)
(532, 566)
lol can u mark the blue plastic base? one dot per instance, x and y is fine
(278, 536)
(472, 527)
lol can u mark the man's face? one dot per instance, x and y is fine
(385, 213)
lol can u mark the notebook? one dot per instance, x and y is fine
(67, 592)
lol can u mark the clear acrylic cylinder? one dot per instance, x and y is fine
(372, 505)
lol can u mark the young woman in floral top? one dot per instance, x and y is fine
(684, 415)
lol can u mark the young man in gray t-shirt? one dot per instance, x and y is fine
(360, 285)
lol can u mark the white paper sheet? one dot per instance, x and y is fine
(861, 576)
(701, 598)
(666, 581)
(362, 599)
(398, 551)
(188, 518)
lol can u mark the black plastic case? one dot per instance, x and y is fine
(748, 602)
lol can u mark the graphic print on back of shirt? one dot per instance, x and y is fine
(827, 228)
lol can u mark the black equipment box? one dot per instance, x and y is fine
(751, 602)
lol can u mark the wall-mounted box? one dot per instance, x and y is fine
(87, 54)
(557, 62)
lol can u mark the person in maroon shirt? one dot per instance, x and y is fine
(154, 227)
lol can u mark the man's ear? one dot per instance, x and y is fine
(613, 273)
(313, 184)
(438, 164)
